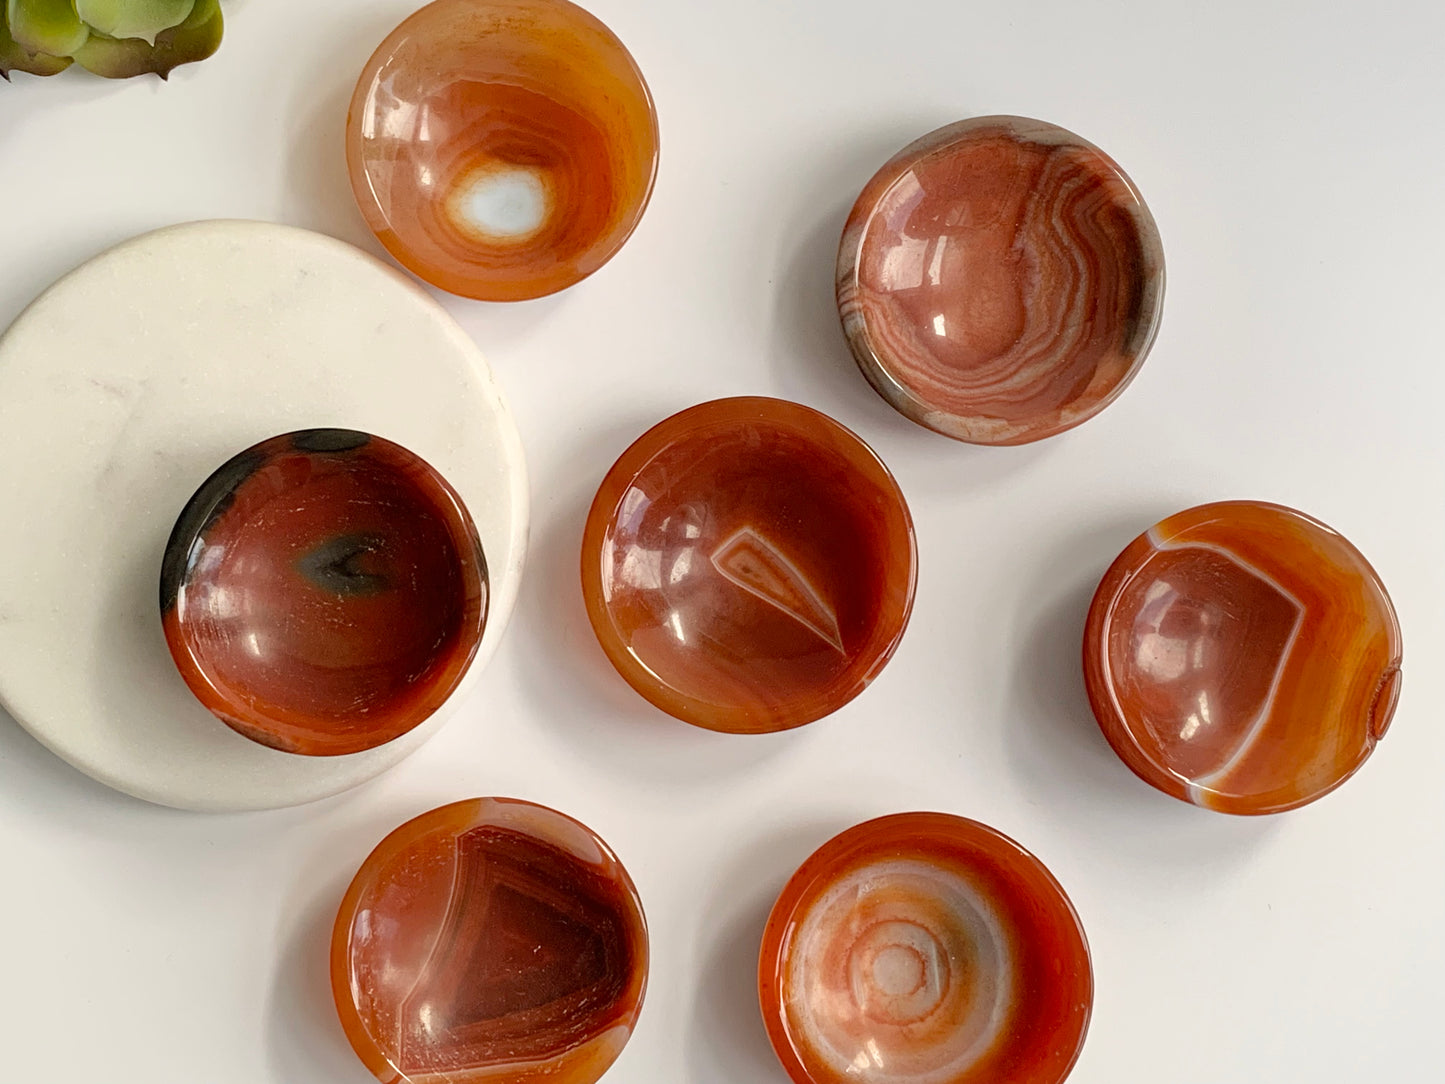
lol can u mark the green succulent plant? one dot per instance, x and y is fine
(114, 38)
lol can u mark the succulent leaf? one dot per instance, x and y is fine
(46, 26)
(144, 19)
(16, 58)
(197, 37)
(201, 13)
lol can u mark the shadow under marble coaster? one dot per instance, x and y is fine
(121, 389)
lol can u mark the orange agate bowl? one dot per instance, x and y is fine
(1242, 656)
(923, 948)
(749, 565)
(502, 149)
(324, 592)
(490, 941)
(1000, 280)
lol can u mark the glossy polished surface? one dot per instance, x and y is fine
(324, 592)
(502, 149)
(749, 565)
(1242, 656)
(490, 941)
(1000, 280)
(924, 948)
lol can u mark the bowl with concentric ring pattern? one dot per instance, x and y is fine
(502, 149)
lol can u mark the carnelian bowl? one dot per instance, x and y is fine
(1243, 656)
(749, 565)
(924, 947)
(502, 149)
(324, 592)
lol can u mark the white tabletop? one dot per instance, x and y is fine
(1293, 164)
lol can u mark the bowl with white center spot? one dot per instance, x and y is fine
(502, 149)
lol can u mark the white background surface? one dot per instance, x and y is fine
(1291, 159)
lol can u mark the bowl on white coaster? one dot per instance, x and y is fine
(122, 387)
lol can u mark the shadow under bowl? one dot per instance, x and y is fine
(1242, 656)
(490, 939)
(749, 565)
(324, 592)
(502, 149)
(923, 946)
(1000, 280)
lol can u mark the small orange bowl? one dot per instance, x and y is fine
(1000, 280)
(1243, 657)
(925, 947)
(502, 149)
(324, 592)
(749, 565)
(490, 940)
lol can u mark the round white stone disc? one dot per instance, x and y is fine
(121, 388)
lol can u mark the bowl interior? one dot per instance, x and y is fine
(1244, 657)
(502, 149)
(749, 565)
(490, 939)
(925, 947)
(1001, 280)
(324, 592)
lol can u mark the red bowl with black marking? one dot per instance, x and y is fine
(324, 592)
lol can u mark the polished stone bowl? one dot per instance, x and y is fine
(490, 940)
(324, 592)
(1000, 280)
(502, 149)
(1242, 656)
(749, 565)
(924, 947)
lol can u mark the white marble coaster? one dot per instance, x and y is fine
(121, 388)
